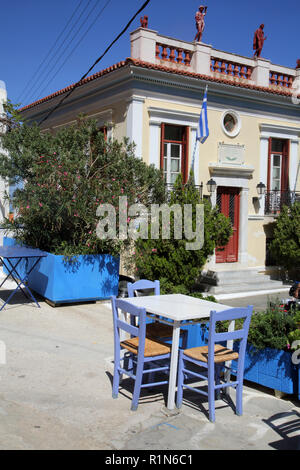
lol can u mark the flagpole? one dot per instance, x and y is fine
(196, 141)
(194, 152)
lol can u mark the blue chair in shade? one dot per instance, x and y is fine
(156, 329)
(142, 356)
(212, 358)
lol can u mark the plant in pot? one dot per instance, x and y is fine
(62, 179)
(269, 355)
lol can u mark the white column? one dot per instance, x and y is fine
(243, 227)
(154, 143)
(143, 44)
(135, 123)
(296, 86)
(200, 62)
(4, 207)
(261, 72)
(263, 170)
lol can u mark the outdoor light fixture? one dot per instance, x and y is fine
(211, 186)
(260, 188)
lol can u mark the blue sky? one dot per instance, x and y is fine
(32, 68)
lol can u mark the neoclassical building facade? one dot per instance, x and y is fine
(154, 98)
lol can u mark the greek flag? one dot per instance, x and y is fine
(202, 129)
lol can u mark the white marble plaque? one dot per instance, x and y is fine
(229, 154)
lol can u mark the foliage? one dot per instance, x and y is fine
(167, 287)
(64, 178)
(169, 258)
(294, 336)
(285, 246)
(268, 329)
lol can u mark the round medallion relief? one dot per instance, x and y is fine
(231, 123)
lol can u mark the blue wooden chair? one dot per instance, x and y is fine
(156, 329)
(142, 355)
(212, 359)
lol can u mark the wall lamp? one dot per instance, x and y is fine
(260, 188)
(211, 186)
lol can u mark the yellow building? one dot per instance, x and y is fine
(155, 97)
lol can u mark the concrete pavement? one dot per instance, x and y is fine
(55, 393)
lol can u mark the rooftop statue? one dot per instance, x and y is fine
(258, 41)
(199, 17)
(144, 21)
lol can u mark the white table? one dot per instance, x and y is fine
(179, 308)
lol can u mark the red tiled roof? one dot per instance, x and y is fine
(163, 68)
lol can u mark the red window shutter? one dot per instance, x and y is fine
(285, 166)
(269, 165)
(185, 155)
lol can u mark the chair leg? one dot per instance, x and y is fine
(184, 338)
(116, 379)
(211, 394)
(239, 398)
(180, 381)
(137, 386)
(218, 381)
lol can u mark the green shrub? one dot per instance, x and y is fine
(65, 177)
(285, 247)
(169, 258)
(294, 336)
(270, 329)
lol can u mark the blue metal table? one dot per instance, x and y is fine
(11, 257)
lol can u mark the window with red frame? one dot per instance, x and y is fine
(278, 165)
(174, 152)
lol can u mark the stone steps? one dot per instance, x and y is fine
(246, 280)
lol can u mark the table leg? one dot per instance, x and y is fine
(173, 365)
(24, 280)
(12, 271)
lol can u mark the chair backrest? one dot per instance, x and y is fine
(134, 287)
(241, 334)
(119, 307)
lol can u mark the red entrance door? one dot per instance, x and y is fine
(228, 201)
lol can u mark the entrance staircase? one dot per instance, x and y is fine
(240, 281)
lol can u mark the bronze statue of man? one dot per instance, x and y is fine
(259, 40)
(199, 17)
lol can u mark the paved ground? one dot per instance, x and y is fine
(55, 393)
(259, 301)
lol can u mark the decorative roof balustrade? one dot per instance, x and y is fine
(198, 58)
(173, 54)
(231, 68)
(278, 78)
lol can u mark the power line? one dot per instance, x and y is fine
(37, 91)
(96, 62)
(77, 44)
(51, 49)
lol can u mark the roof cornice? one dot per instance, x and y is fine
(177, 74)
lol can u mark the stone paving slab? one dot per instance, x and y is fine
(55, 393)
